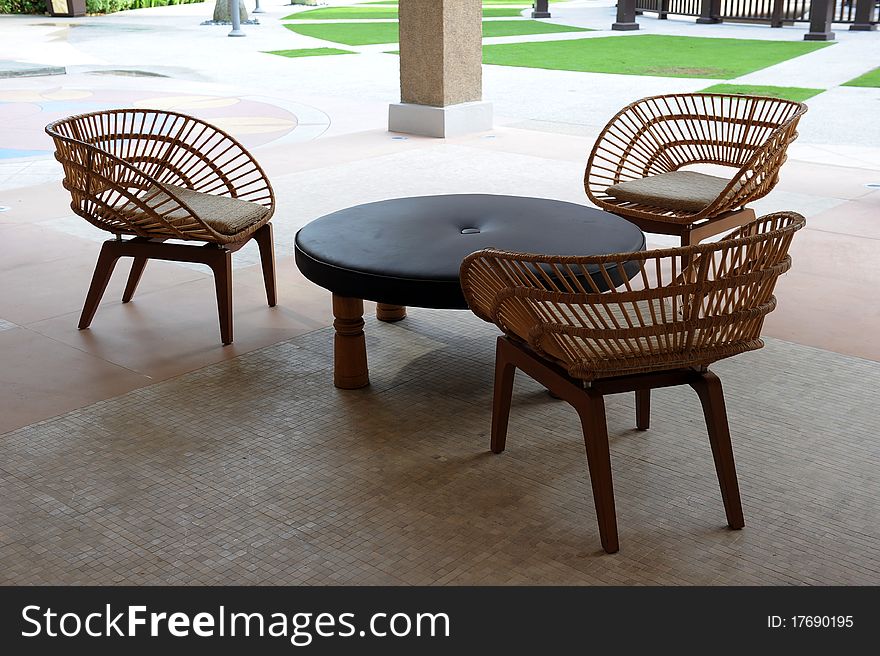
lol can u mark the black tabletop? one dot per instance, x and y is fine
(407, 251)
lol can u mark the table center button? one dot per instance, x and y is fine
(470, 231)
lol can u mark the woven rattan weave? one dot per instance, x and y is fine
(664, 134)
(160, 175)
(683, 309)
(120, 160)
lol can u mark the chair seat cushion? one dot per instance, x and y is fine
(678, 190)
(228, 216)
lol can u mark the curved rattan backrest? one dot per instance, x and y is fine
(661, 134)
(682, 307)
(123, 158)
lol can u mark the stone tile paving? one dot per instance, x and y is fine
(258, 471)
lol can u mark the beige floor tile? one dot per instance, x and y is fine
(532, 142)
(41, 378)
(35, 245)
(823, 180)
(840, 315)
(310, 157)
(37, 203)
(257, 470)
(860, 218)
(41, 290)
(174, 330)
(837, 257)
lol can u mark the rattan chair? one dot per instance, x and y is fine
(635, 167)
(161, 176)
(683, 309)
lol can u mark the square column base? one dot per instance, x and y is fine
(624, 27)
(862, 27)
(442, 122)
(819, 36)
(541, 14)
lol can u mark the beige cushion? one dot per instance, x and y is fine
(228, 216)
(679, 190)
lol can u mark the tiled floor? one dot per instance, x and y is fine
(827, 299)
(257, 470)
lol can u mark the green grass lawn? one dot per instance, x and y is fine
(519, 3)
(518, 27)
(361, 34)
(798, 94)
(309, 52)
(869, 79)
(651, 54)
(351, 34)
(352, 13)
(359, 13)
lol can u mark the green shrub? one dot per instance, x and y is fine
(92, 6)
(22, 6)
(110, 6)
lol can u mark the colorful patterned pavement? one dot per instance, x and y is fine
(21, 111)
(26, 151)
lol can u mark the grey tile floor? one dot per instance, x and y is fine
(257, 470)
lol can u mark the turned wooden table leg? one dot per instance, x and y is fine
(385, 312)
(349, 345)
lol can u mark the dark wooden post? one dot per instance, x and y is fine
(663, 14)
(710, 12)
(541, 9)
(821, 12)
(626, 16)
(776, 14)
(74, 8)
(863, 17)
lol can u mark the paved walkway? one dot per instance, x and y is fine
(169, 40)
(318, 126)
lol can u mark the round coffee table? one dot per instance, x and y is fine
(408, 251)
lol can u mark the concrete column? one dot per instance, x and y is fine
(441, 75)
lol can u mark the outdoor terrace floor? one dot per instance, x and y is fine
(257, 446)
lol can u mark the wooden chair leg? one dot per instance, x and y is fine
(592, 414)
(134, 277)
(221, 265)
(685, 241)
(505, 371)
(708, 388)
(643, 409)
(103, 270)
(264, 240)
